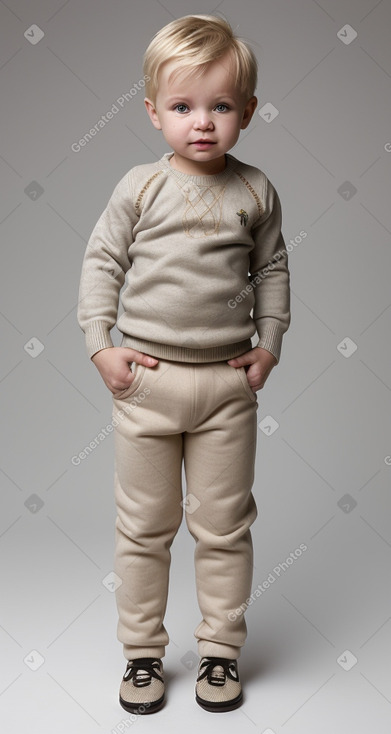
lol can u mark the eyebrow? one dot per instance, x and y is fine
(174, 97)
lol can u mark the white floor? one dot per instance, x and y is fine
(292, 681)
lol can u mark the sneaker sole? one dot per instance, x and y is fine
(220, 705)
(146, 708)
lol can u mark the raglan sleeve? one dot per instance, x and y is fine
(105, 263)
(270, 275)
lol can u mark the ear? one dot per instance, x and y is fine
(248, 112)
(151, 109)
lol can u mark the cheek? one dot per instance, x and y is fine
(231, 126)
(229, 121)
(174, 127)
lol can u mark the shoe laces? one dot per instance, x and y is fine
(142, 670)
(217, 670)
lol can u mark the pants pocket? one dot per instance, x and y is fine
(242, 377)
(138, 371)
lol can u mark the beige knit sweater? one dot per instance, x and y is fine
(202, 259)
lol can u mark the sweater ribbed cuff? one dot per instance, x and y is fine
(270, 336)
(97, 337)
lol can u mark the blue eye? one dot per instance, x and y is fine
(181, 108)
(222, 105)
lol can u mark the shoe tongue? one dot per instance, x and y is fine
(141, 672)
(218, 671)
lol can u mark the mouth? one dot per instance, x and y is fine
(203, 143)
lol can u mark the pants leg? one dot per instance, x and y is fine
(219, 457)
(148, 493)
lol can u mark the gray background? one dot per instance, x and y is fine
(318, 648)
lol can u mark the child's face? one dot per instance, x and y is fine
(189, 110)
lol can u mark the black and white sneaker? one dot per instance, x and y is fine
(142, 686)
(218, 687)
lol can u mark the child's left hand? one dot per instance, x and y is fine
(261, 363)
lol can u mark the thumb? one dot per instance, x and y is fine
(239, 361)
(140, 357)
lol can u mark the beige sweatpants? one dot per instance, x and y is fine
(206, 415)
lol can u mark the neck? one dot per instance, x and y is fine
(195, 168)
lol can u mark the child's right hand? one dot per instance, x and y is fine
(113, 365)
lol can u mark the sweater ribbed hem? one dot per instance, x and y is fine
(185, 354)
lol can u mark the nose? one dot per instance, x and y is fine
(203, 121)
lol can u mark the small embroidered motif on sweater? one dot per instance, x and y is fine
(243, 217)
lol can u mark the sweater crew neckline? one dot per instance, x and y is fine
(205, 180)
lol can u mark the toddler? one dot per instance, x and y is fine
(196, 239)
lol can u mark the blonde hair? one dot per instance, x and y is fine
(194, 41)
